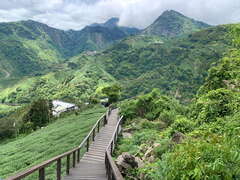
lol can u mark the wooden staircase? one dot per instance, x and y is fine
(96, 163)
(92, 164)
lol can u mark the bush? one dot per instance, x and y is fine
(7, 128)
(183, 125)
(214, 158)
(168, 117)
(157, 125)
(151, 106)
(164, 147)
(216, 104)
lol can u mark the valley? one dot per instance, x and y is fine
(176, 79)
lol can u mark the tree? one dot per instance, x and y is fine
(39, 115)
(112, 92)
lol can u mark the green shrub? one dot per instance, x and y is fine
(168, 117)
(164, 146)
(216, 104)
(214, 158)
(182, 125)
(157, 125)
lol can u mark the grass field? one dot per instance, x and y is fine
(59, 137)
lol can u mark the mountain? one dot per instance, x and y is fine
(177, 67)
(28, 47)
(113, 22)
(172, 23)
(99, 36)
(139, 63)
(33, 48)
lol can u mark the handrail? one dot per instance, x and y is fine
(112, 170)
(41, 167)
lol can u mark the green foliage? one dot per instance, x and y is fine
(150, 106)
(39, 115)
(200, 159)
(216, 104)
(112, 92)
(177, 66)
(167, 117)
(7, 128)
(210, 149)
(183, 125)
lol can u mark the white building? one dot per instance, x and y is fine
(60, 107)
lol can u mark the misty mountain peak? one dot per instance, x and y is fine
(171, 13)
(112, 22)
(172, 23)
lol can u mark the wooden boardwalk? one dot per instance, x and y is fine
(92, 164)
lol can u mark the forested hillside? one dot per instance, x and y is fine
(33, 65)
(176, 66)
(199, 141)
(32, 48)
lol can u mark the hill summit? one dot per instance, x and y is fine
(172, 23)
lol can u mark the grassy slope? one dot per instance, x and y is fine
(60, 136)
(77, 83)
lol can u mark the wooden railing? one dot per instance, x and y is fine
(112, 170)
(75, 153)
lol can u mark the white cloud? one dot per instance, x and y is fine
(75, 14)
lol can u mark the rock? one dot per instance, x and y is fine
(140, 163)
(151, 159)
(130, 159)
(178, 137)
(122, 164)
(127, 161)
(126, 135)
(148, 154)
(156, 145)
(128, 130)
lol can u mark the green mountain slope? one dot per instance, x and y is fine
(178, 66)
(199, 141)
(30, 48)
(172, 23)
(43, 144)
(78, 80)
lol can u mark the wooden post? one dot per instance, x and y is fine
(68, 165)
(87, 144)
(105, 120)
(78, 155)
(42, 174)
(59, 169)
(98, 126)
(111, 147)
(93, 138)
(74, 159)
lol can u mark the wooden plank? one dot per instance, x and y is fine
(92, 164)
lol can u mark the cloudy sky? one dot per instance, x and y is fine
(75, 14)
